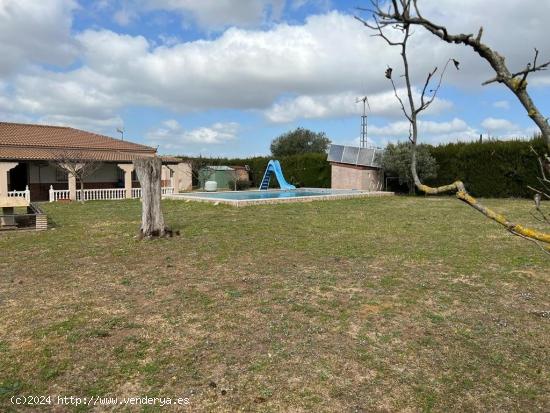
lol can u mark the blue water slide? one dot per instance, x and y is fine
(274, 167)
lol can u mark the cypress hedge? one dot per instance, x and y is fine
(493, 169)
(304, 170)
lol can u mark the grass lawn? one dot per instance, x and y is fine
(380, 304)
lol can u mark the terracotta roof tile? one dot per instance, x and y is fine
(26, 141)
(30, 153)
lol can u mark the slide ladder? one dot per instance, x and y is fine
(274, 167)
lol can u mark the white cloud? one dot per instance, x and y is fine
(35, 32)
(125, 16)
(216, 14)
(106, 126)
(401, 128)
(241, 69)
(318, 62)
(428, 131)
(172, 136)
(494, 124)
(502, 104)
(503, 129)
(343, 104)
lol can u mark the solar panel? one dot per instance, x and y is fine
(335, 153)
(366, 156)
(350, 155)
(353, 155)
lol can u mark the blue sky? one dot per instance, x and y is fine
(225, 77)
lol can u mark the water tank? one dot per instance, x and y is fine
(210, 186)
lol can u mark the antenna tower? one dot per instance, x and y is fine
(365, 100)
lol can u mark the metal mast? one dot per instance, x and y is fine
(121, 131)
(363, 141)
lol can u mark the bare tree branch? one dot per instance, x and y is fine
(78, 165)
(515, 82)
(400, 17)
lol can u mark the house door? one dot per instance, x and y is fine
(19, 177)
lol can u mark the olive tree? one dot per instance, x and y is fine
(149, 172)
(396, 161)
(299, 141)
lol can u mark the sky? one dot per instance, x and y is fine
(226, 77)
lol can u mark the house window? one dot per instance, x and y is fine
(61, 175)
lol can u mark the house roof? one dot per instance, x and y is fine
(353, 155)
(44, 142)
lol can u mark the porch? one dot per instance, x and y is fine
(42, 181)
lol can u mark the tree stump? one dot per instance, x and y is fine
(148, 171)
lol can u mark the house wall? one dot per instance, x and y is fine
(345, 176)
(42, 175)
(47, 173)
(242, 174)
(182, 176)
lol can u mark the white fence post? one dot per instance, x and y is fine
(97, 194)
(27, 193)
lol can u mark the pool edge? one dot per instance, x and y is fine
(249, 202)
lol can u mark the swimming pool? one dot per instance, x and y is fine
(241, 198)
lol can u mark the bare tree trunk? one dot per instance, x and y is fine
(81, 190)
(148, 171)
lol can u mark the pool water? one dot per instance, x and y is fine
(243, 198)
(246, 195)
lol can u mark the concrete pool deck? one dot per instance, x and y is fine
(329, 195)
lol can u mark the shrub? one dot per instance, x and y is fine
(490, 169)
(396, 161)
(299, 141)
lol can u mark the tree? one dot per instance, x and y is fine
(396, 161)
(401, 15)
(76, 164)
(299, 141)
(149, 171)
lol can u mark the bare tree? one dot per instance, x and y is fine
(149, 173)
(401, 15)
(78, 165)
(543, 191)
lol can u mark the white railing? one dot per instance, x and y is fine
(136, 192)
(21, 194)
(101, 194)
(57, 194)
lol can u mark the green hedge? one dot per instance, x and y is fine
(306, 170)
(495, 169)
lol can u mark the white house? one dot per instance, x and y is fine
(28, 154)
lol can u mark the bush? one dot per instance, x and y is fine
(495, 169)
(396, 161)
(298, 142)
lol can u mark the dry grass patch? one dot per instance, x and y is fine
(393, 304)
